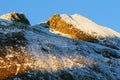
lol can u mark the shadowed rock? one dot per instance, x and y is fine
(19, 17)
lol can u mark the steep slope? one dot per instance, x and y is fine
(81, 28)
(34, 53)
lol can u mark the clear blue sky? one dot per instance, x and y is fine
(103, 12)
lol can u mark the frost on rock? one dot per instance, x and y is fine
(34, 53)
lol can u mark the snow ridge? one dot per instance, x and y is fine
(89, 26)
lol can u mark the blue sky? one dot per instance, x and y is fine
(103, 12)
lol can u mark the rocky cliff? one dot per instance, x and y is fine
(34, 53)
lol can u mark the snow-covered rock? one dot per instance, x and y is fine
(81, 28)
(34, 53)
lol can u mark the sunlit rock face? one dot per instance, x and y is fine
(19, 17)
(34, 53)
(14, 57)
(58, 24)
(81, 28)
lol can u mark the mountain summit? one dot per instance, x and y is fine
(76, 26)
(19, 17)
(62, 48)
(81, 28)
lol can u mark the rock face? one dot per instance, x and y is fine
(14, 57)
(58, 24)
(34, 53)
(19, 17)
(76, 26)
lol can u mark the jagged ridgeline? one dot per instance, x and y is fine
(62, 48)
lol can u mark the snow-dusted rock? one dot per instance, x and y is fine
(81, 28)
(34, 53)
(19, 17)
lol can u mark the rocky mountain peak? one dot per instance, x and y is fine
(81, 25)
(18, 17)
(61, 26)
(81, 28)
(34, 53)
